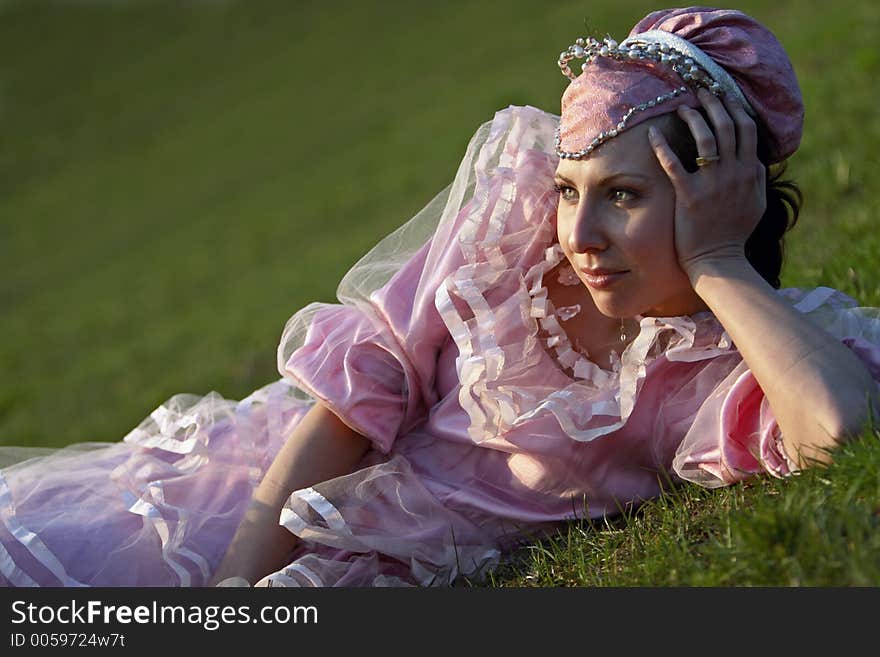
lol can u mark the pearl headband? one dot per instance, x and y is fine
(674, 42)
(693, 66)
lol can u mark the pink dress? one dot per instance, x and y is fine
(445, 351)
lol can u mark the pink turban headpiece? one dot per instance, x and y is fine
(667, 56)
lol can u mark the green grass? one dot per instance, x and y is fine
(819, 528)
(179, 178)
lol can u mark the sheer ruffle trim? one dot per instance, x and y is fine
(380, 526)
(548, 316)
(156, 509)
(497, 333)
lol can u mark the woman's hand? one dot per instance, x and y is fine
(259, 540)
(718, 206)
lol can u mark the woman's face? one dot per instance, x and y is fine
(615, 225)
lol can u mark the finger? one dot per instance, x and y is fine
(722, 123)
(762, 186)
(667, 158)
(702, 133)
(746, 129)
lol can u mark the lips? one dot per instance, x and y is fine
(602, 271)
(601, 278)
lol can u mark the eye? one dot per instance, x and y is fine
(566, 192)
(621, 195)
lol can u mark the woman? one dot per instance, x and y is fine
(589, 308)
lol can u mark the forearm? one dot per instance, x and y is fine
(320, 448)
(818, 389)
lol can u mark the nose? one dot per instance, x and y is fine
(587, 232)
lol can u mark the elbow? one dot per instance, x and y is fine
(816, 442)
(851, 420)
(853, 402)
(847, 411)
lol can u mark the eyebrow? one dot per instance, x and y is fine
(606, 179)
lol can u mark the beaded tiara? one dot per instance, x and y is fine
(666, 58)
(693, 66)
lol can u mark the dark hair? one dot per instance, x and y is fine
(764, 248)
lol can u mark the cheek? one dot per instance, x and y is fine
(652, 243)
(662, 240)
(658, 225)
(563, 230)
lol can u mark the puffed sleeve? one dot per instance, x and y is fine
(734, 434)
(372, 358)
(373, 362)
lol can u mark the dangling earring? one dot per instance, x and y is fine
(622, 331)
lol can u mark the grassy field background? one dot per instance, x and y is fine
(178, 178)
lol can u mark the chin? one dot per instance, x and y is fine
(612, 307)
(676, 310)
(617, 306)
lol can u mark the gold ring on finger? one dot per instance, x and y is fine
(703, 160)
